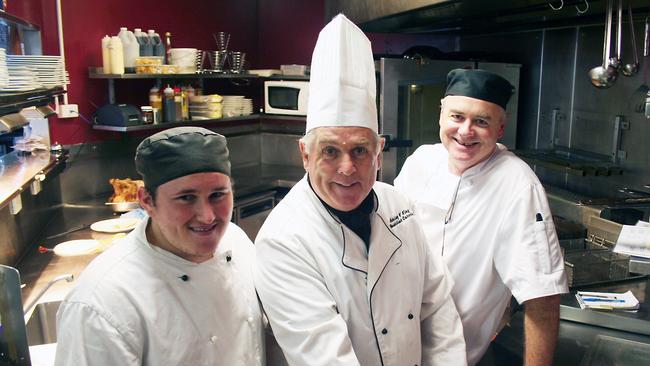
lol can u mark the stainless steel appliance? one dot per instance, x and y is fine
(13, 336)
(409, 105)
(250, 212)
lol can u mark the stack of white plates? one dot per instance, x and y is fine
(50, 71)
(247, 107)
(233, 105)
(4, 73)
(21, 78)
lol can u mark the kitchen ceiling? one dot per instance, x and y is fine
(473, 16)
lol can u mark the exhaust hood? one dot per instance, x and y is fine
(472, 16)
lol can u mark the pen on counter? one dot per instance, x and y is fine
(538, 217)
(592, 299)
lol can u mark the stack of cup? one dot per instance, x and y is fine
(184, 59)
(237, 62)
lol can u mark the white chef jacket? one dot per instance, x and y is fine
(493, 244)
(131, 306)
(331, 303)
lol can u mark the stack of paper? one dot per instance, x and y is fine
(634, 240)
(607, 300)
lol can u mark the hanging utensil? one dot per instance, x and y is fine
(638, 98)
(615, 61)
(632, 69)
(605, 76)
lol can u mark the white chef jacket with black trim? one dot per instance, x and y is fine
(493, 244)
(330, 302)
(131, 306)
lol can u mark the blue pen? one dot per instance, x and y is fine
(601, 300)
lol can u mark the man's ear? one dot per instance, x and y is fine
(303, 154)
(146, 200)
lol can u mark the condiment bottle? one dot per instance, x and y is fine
(178, 103)
(146, 48)
(169, 109)
(155, 100)
(186, 102)
(156, 43)
(168, 48)
(117, 55)
(131, 48)
(106, 55)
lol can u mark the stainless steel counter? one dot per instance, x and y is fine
(582, 331)
(17, 171)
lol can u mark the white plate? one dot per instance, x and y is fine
(114, 225)
(77, 247)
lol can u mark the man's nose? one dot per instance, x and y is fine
(346, 166)
(466, 128)
(204, 212)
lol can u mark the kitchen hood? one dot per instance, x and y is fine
(472, 16)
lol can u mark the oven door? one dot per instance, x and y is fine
(251, 212)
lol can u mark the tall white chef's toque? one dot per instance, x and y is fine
(342, 87)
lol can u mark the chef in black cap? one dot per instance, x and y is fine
(178, 290)
(485, 210)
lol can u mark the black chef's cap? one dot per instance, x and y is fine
(479, 84)
(181, 151)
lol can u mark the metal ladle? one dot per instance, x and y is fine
(605, 76)
(615, 61)
(631, 69)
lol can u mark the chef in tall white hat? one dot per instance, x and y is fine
(343, 269)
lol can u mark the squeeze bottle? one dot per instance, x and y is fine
(106, 55)
(130, 46)
(117, 56)
(169, 110)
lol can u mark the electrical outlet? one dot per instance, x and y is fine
(68, 111)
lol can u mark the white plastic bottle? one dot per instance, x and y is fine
(117, 56)
(106, 55)
(130, 46)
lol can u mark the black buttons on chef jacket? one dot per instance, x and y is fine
(384, 331)
(184, 278)
(410, 316)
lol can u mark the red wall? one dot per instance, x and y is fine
(191, 24)
(271, 32)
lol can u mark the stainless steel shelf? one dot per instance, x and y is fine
(15, 102)
(204, 122)
(94, 73)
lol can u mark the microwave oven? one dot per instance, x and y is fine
(286, 97)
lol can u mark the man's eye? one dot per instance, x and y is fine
(481, 123)
(330, 152)
(456, 117)
(359, 151)
(217, 195)
(186, 198)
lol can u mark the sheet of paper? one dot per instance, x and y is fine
(634, 240)
(607, 300)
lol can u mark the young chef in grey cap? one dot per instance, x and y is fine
(178, 290)
(486, 212)
(343, 268)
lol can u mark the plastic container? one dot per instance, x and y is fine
(131, 48)
(106, 55)
(117, 55)
(169, 108)
(146, 48)
(147, 114)
(158, 48)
